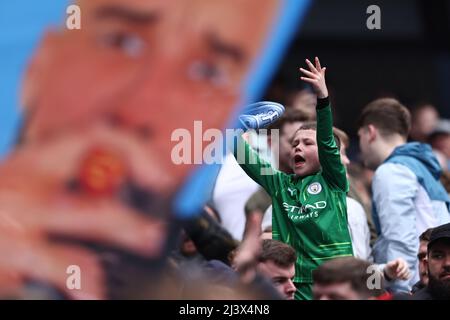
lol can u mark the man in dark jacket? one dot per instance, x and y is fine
(438, 263)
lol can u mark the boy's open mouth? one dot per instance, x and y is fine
(299, 160)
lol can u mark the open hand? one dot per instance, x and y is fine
(316, 77)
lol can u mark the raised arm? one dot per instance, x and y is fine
(329, 156)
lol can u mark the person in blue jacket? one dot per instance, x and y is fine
(407, 195)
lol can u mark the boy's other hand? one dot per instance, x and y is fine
(261, 114)
(316, 77)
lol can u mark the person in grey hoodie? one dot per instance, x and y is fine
(407, 195)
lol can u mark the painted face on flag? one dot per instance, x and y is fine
(100, 106)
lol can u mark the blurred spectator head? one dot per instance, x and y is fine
(439, 138)
(422, 255)
(277, 262)
(382, 122)
(304, 100)
(424, 118)
(344, 144)
(438, 262)
(187, 246)
(344, 279)
(287, 125)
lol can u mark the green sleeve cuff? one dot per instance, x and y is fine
(322, 103)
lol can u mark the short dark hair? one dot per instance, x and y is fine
(346, 269)
(281, 254)
(425, 236)
(290, 116)
(312, 125)
(388, 115)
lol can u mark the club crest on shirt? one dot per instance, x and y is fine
(314, 188)
(292, 191)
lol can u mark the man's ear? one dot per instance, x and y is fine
(36, 70)
(373, 132)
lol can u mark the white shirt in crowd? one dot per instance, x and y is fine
(359, 230)
(232, 190)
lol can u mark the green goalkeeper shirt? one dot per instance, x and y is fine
(309, 213)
